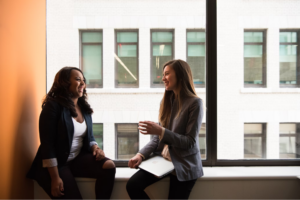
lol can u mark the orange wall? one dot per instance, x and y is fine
(22, 87)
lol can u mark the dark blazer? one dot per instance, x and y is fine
(182, 138)
(56, 135)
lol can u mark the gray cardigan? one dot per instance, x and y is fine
(182, 137)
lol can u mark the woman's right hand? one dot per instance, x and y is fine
(57, 187)
(135, 161)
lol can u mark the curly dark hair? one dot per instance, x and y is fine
(60, 93)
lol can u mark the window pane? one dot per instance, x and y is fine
(252, 147)
(196, 60)
(288, 142)
(253, 37)
(196, 37)
(92, 37)
(253, 128)
(288, 36)
(288, 64)
(202, 141)
(127, 141)
(162, 37)
(253, 64)
(98, 134)
(92, 66)
(126, 37)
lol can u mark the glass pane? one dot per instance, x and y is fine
(288, 64)
(202, 141)
(253, 64)
(252, 147)
(127, 37)
(91, 37)
(162, 37)
(127, 147)
(127, 50)
(196, 60)
(253, 128)
(92, 64)
(287, 128)
(98, 134)
(288, 36)
(100, 142)
(253, 37)
(196, 37)
(162, 50)
(161, 55)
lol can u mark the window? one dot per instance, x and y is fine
(202, 141)
(127, 63)
(289, 142)
(254, 141)
(98, 134)
(162, 51)
(289, 55)
(91, 58)
(127, 141)
(254, 59)
(196, 55)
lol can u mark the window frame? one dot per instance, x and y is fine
(195, 43)
(297, 85)
(123, 162)
(264, 57)
(116, 62)
(151, 52)
(89, 43)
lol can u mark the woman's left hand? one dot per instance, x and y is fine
(149, 128)
(98, 153)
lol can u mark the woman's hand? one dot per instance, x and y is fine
(57, 187)
(98, 153)
(149, 128)
(135, 161)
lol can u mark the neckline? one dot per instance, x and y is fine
(77, 121)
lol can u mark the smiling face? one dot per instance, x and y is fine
(169, 78)
(77, 84)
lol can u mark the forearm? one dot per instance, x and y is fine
(186, 141)
(53, 171)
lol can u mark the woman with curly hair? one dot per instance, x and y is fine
(68, 148)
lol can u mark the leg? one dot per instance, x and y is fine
(85, 165)
(71, 190)
(138, 182)
(180, 189)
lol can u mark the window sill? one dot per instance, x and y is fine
(132, 90)
(270, 91)
(224, 173)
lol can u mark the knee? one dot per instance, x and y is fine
(109, 165)
(132, 186)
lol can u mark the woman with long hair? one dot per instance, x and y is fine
(68, 148)
(175, 137)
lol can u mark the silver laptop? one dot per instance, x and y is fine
(158, 166)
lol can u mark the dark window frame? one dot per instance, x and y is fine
(151, 52)
(81, 53)
(116, 62)
(264, 57)
(122, 163)
(263, 139)
(102, 133)
(195, 43)
(297, 85)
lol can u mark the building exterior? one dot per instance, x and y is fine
(122, 45)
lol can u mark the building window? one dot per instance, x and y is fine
(289, 54)
(91, 58)
(98, 134)
(254, 141)
(196, 55)
(289, 142)
(126, 59)
(202, 141)
(127, 142)
(162, 51)
(254, 59)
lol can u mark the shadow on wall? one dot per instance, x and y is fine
(24, 144)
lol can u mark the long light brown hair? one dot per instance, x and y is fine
(184, 84)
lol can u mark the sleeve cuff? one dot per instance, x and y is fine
(92, 143)
(141, 155)
(162, 134)
(52, 162)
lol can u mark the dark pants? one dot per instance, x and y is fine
(142, 179)
(84, 165)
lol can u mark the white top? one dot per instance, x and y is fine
(79, 133)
